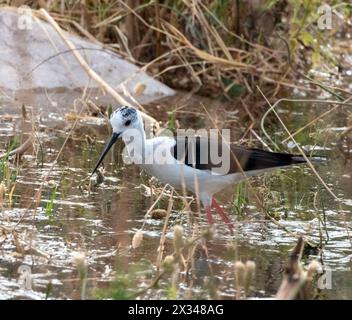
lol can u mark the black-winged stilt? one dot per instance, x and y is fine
(189, 161)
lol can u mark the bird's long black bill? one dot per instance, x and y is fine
(107, 147)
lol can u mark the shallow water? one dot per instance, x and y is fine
(102, 222)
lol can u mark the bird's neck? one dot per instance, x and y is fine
(135, 141)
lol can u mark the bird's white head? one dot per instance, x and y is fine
(125, 121)
(126, 118)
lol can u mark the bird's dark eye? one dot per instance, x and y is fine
(127, 123)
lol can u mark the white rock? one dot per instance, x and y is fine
(24, 45)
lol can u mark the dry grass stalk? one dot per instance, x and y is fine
(163, 233)
(137, 239)
(297, 283)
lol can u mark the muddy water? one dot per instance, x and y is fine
(100, 223)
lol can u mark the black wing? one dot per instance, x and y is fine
(206, 154)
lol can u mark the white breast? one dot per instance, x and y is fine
(169, 170)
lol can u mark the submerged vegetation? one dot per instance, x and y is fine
(122, 235)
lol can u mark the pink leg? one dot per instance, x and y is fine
(209, 216)
(223, 215)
